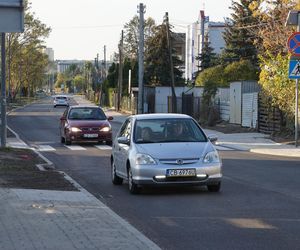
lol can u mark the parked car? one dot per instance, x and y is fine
(164, 149)
(61, 100)
(85, 124)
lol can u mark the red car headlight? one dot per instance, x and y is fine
(74, 129)
(105, 129)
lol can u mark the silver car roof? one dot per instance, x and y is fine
(161, 116)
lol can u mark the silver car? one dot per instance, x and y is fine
(164, 149)
(60, 100)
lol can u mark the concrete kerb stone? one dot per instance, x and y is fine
(285, 152)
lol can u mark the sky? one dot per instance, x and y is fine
(81, 28)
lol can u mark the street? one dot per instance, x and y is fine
(257, 208)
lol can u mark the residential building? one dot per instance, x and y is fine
(50, 53)
(63, 65)
(179, 47)
(195, 41)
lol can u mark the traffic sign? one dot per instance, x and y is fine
(11, 16)
(294, 69)
(294, 44)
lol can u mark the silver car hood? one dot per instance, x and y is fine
(182, 150)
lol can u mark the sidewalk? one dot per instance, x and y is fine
(42, 219)
(45, 219)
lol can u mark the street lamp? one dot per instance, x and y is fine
(293, 19)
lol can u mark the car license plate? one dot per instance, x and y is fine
(181, 172)
(90, 135)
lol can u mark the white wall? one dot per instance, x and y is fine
(216, 38)
(162, 93)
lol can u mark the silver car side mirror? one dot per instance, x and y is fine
(123, 140)
(213, 138)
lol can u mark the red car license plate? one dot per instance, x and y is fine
(90, 135)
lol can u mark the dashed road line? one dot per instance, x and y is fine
(45, 148)
(103, 147)
(75, 148)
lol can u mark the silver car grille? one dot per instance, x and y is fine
(179, 161)
(90, 129)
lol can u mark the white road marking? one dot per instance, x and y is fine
(75, 148)
(103, 147)
(45, 148)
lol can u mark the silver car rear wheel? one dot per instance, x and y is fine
(114, 178)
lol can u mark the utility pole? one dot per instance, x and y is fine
(141, 11)
(103, 75)
(174, 99)
(3, 93)
(120, 82)
(105, 66)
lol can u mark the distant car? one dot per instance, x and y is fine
(164, 149)
(85, 124)
(60, 100)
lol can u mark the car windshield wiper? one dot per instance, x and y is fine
(140, 141)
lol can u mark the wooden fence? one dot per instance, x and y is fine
(269, 118)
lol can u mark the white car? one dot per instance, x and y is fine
(60, 100)
(164, 149)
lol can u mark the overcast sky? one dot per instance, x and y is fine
(81, 28)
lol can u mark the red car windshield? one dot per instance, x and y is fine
(86, 114)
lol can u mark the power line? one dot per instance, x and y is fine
(89, 27)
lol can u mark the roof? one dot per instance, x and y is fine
(160, 116)
(85, 106)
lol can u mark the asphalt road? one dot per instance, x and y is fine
(258, 207)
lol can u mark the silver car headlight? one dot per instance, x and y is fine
(144, 159)
(74, 129)
(211, 157)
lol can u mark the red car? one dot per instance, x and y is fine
(85, 124)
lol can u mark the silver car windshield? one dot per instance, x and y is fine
(167, 130)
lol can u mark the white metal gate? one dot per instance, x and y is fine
(250, 110)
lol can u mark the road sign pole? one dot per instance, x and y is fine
(296, 93)
(296, 114)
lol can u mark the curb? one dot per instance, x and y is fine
(284, 152)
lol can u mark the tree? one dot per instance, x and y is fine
(270, 32)
(131, 36)
(112, 76)
(213, 75)
(271, 38)
(276, 84)
(207, 58)
(61, 79)
(26, 62)
(157, 68)
(240, 71)
(79, 83)
(237, 35)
